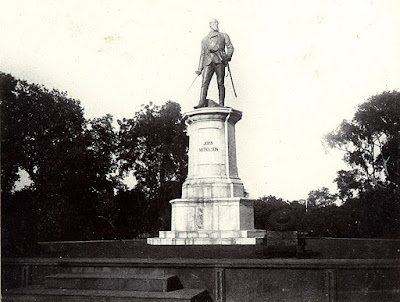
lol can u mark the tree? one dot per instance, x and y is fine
(70, 161)
(36, 124)
(320, 198)
(374, 214)
(349, 183)
(370, 142)
(371, 189)
(131, 212)
(326, 221)
(154, 145)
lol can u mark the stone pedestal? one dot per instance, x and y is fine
(213, 209)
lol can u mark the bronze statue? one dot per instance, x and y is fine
(213, 58)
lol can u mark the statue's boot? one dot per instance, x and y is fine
(203, 102)
(200, 104)
(221, 96)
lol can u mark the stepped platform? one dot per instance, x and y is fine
(80, 283)
(222, 279)
(132, 282)
(339, 270)
(39, 294)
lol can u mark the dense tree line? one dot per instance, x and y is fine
(369, 193)
(373, 214)
(77, 166)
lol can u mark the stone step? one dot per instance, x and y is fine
(110, 270)
(214, 234)
(129, 282)
(209, 237)
(39, 294)
(205, 241)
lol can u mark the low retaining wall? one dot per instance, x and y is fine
(353, 248)
(321, 248)
(237, 279)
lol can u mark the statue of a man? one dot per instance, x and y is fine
(213, 58)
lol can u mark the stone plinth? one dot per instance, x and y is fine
(212, 171)
(212, 209)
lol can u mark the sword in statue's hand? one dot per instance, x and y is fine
(230, 74)
(197, 75)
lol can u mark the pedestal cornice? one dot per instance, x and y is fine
(214, 113)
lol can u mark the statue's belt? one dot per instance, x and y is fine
(219, 53)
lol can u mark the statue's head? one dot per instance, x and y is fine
(214, 24)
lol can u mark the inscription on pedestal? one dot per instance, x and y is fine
(206, 147)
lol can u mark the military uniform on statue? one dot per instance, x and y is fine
(214, 59)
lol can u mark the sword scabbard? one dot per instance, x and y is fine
(230, 75)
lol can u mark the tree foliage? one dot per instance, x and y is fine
(326, 221)
(36, 125)
(370, 142)
(374, 214)
(371, 189)
(70, 162)
(153, 144)
(76, 167)
(320, 198)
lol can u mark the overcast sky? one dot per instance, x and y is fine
(300, 68)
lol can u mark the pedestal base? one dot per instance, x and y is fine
(217, 221)
(216, 214)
